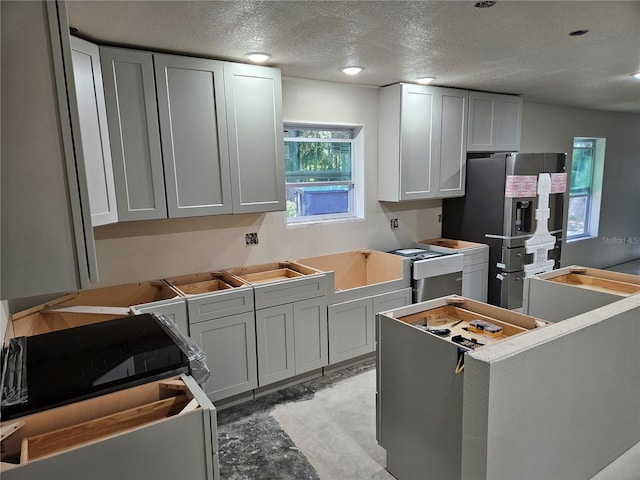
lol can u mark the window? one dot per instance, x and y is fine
(585, 187)
(320, 173)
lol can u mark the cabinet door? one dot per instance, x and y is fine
(229, 344)
(481, 129)
(391, 300)
(310, 330)
(255, 129)
(194, 135)
(416, 137)
(132, 113)
(474, 282)
(450, 142)
(94, 133)
(275, 344)
(494, 122)
(350, 329)
(508, 123)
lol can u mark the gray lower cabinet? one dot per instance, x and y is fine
(351, 324)
(132, 115)
(230, 346)
(419, 403)
(94, 132)
(184, 444)
(222, 322)
(254, 122)
(194, 135)
(291, 339)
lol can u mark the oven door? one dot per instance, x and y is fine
(434, 287)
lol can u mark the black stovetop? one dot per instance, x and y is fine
(78, 363)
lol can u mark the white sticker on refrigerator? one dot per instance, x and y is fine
(517, 186)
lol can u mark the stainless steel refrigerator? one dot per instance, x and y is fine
(499, 209)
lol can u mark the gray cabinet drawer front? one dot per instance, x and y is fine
(219, 304)
(289, 291)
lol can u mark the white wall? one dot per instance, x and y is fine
(550, 128)
(136, 251)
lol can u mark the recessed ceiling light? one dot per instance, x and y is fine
(636, 75)
(485, 4)
(425, 80)
(258, 57)
(351, 70)
(579, 33)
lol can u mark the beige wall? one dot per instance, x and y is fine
(149, 250)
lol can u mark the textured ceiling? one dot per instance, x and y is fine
(519, 47)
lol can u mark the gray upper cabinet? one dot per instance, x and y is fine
(47, 241)
(132, 114)
(421, 142)
(255, 129)
(194, 135)
(495, 121)
(94, 132)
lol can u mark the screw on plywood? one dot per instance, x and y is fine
(251, 238)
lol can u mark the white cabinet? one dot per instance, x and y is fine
(94, 133)
(421, 142)
(254, 126)
(194, 135)
(495, 122)
(132, 114)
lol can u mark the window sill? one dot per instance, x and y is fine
(306, 223)
(580, 238)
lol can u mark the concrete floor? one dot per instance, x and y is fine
(325, 429)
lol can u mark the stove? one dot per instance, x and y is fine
(433, 274)
(53, 369)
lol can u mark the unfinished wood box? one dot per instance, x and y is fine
(97, 305)
(280, 283)
(164, 429)
(360, 273)
(212, 295)
(570, 291)
(57, 315)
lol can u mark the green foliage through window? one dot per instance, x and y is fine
(319, 171)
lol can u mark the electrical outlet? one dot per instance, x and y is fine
(394, 223)
(251, 238)
(439, 218)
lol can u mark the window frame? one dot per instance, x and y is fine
(353, 185)
(592, 193)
